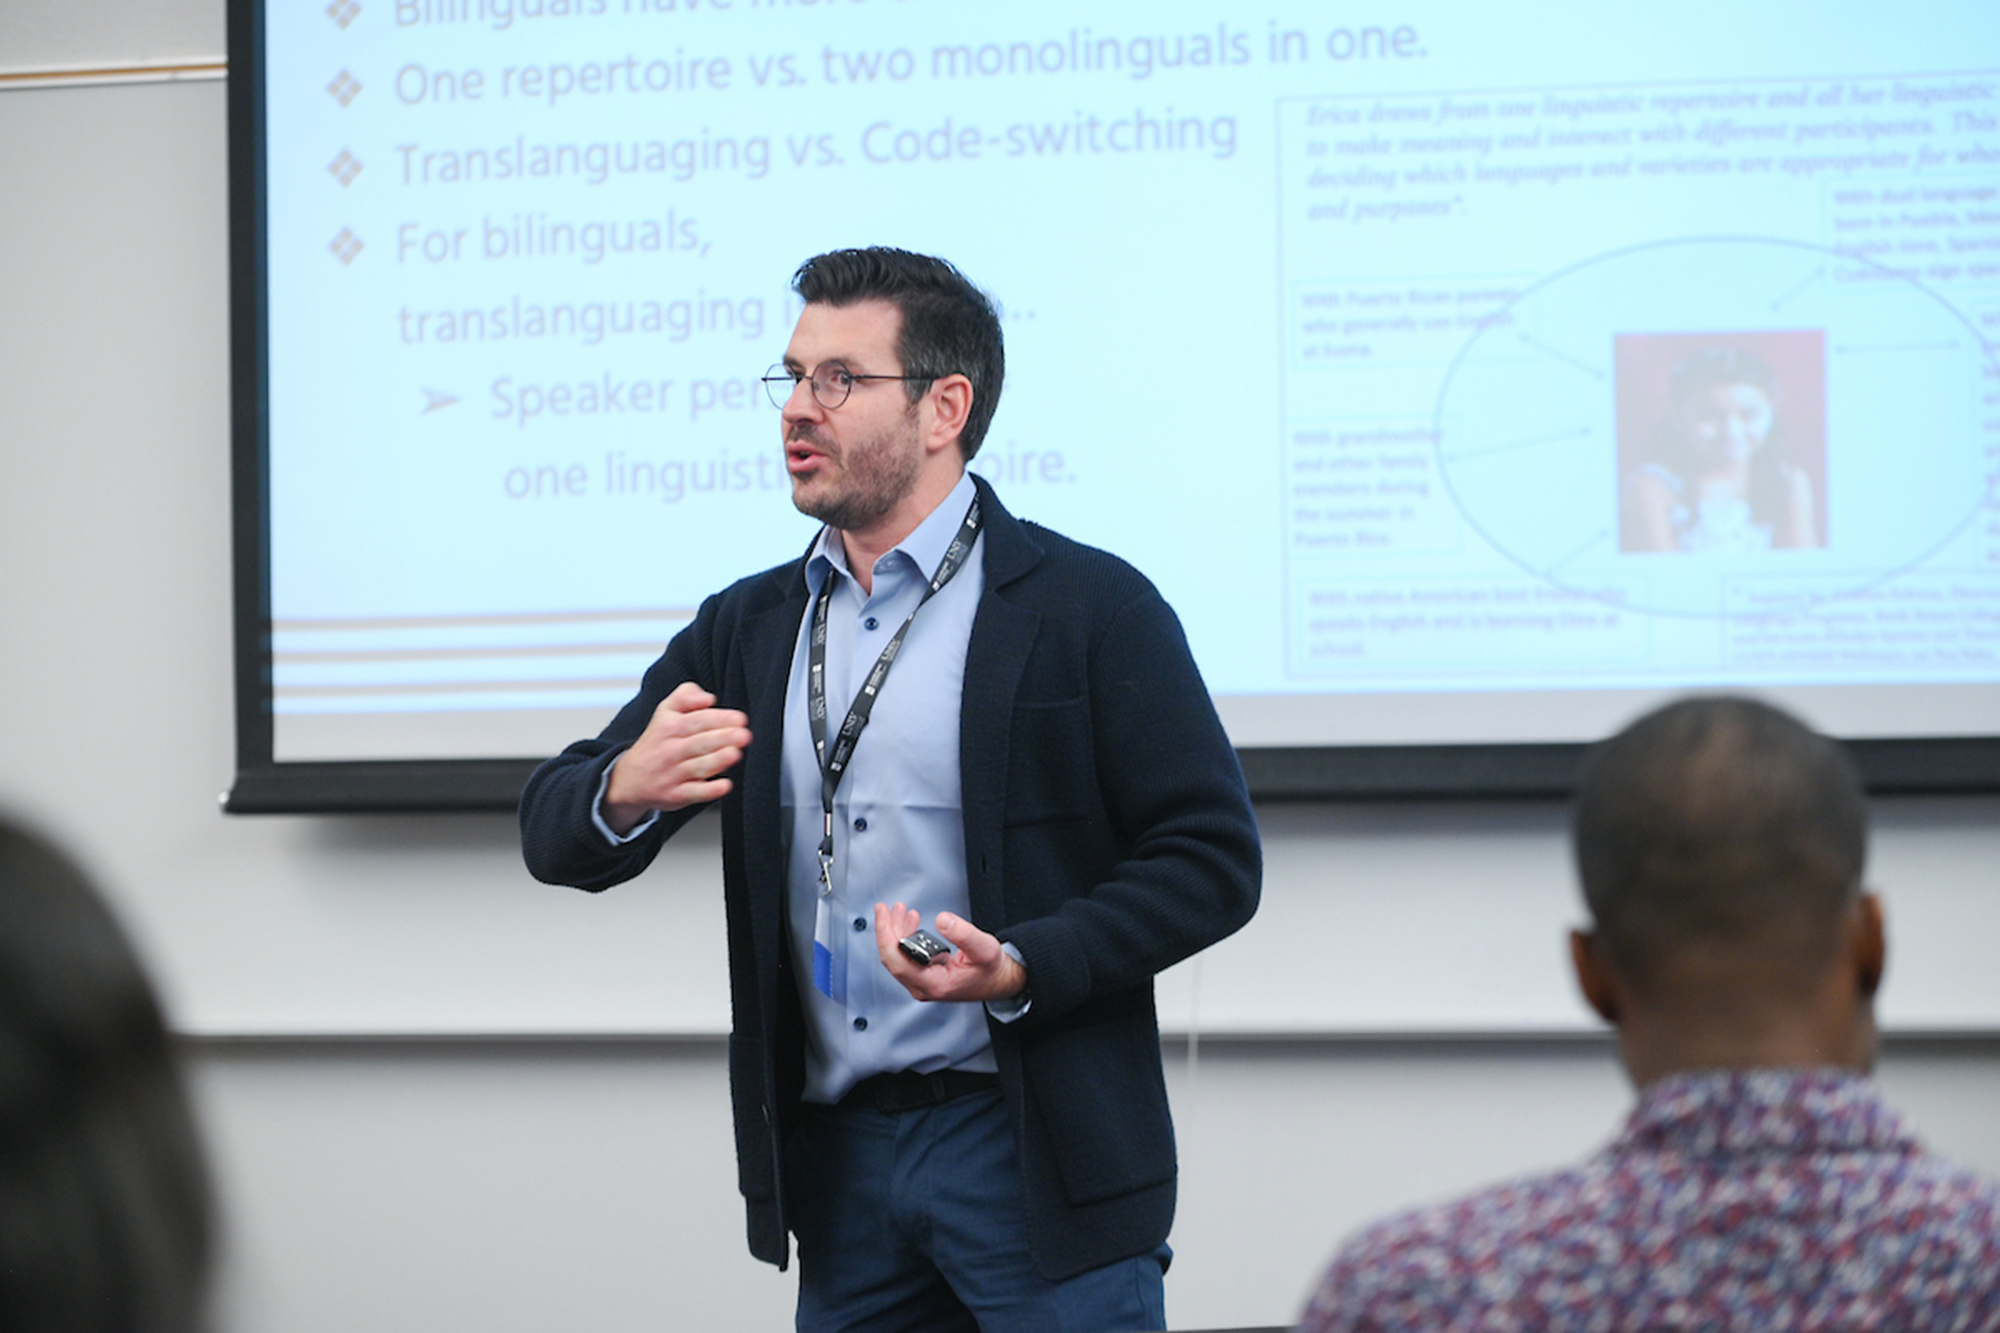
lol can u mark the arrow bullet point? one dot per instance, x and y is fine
(434, 400)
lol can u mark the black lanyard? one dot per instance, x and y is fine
(833, 767)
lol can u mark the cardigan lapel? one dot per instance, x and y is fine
(768, 641)
(1003, 633)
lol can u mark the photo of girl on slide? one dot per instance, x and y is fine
(1726, 462)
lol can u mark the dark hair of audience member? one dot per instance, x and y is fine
(105, 1210)
(949, 326)
(1724, 825)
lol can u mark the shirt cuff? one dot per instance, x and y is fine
(618, 840)
(1014, 1006)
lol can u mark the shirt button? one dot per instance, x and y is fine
(860, 924)
(860, 1025)
(871, 623)
(861, 824)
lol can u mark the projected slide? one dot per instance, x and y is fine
(1460, 373)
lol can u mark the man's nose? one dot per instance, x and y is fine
(802, 405)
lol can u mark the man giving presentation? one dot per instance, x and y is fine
(974, 795)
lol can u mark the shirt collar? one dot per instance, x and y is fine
(924, 547)
(1736, 1110)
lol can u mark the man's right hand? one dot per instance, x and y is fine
(676, 761)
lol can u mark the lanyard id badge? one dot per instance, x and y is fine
(829, 972)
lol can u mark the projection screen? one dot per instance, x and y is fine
(1468, 377)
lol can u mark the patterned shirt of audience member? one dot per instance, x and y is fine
(1764, 1199)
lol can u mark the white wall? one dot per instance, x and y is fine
(43, 34)
(524, 1187)
(536, 1184)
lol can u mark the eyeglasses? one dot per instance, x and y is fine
(831, 383)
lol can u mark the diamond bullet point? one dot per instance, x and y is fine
(344, 88)
(345, 246)
(343, 12)
(345, 167)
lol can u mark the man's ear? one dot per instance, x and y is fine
(950, 401)
(1593, 975)
(1868, 945)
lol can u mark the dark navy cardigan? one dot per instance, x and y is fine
(1108, 835)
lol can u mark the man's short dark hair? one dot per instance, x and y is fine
(949, 326)
(1719, 822)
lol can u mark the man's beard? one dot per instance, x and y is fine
(877, 475)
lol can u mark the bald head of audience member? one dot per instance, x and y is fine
(105, 1212)
(1720, 843)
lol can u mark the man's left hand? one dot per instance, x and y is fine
(979, 970)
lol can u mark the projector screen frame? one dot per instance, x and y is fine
(1920, 767)
(1950, 765)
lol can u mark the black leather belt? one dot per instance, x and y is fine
(892, 1094)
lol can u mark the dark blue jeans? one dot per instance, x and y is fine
(916, 1223)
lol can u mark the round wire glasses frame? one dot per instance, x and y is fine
(831, 383)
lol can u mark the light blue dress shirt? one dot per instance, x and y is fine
(898, 831)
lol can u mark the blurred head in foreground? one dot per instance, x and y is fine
(1720, 843)
(105, 1212)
